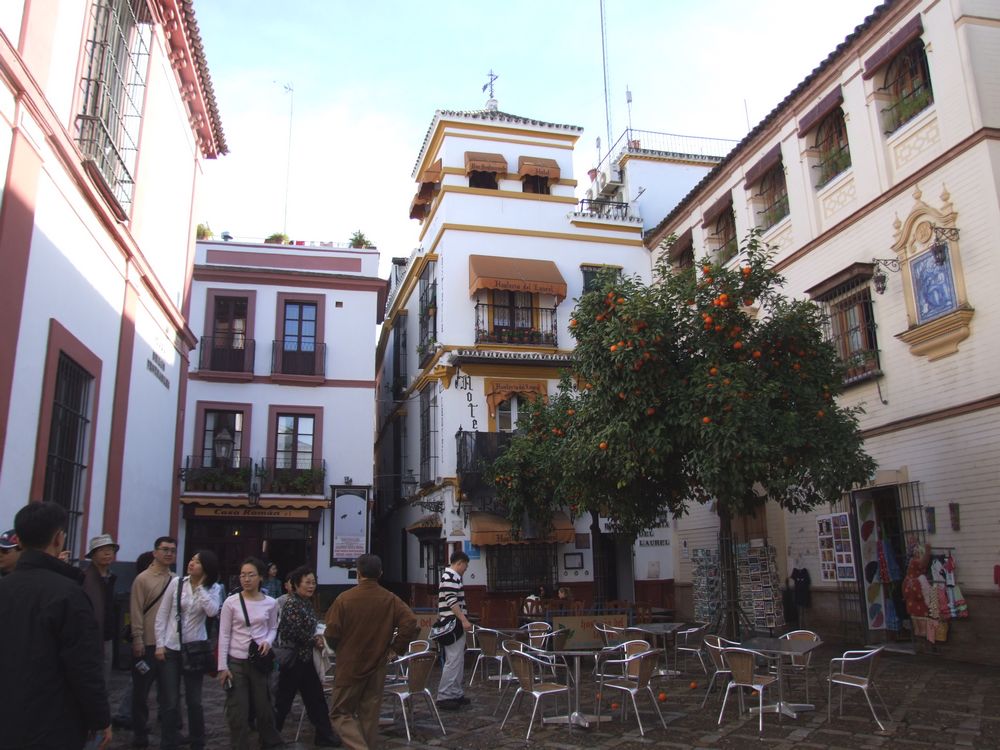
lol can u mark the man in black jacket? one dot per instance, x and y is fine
(49, 641)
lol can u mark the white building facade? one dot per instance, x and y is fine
(279, 416)
(478, 323)
(106, 113)
(876, 181)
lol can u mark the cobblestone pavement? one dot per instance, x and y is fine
(934, 703)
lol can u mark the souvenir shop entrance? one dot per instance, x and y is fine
(885, 523)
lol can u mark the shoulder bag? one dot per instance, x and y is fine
(197, 657)
(445, 630)
(263, 663)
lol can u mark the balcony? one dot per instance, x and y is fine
(600, 209)
(226, 354)
(201, 475)
(476, 451)
(308, 477)
(298, 359)
(521, 326)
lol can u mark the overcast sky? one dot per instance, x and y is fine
(367, 79)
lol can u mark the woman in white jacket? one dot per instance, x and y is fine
(199, 599)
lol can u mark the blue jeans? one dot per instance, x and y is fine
(170, 705)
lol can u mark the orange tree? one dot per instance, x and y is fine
(707, 385)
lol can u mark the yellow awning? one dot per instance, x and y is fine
(237, 501)
(479, 161)
(538, 166)
(515, 275)
(489, 529)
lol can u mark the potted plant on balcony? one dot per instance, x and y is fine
(278, 238)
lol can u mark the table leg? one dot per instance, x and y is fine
(576, 718)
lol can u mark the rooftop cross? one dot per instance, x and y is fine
(489, 84)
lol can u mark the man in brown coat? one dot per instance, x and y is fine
(359, 628)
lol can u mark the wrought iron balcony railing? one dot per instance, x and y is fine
(201, 474)
(476, 453)
(232, 353)
(502, 324)
(605, 209)
(306, 477)
(298, 358)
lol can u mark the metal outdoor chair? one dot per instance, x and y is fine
(615, 656)
(714, 645)
(690, 641)
(799, 664)
(524, 666)
(397, 669)
(742, 666)
(489, 650)
(855, 669)
(418, 667)
(637, 669)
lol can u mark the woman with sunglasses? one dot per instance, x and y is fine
(248, 620)
(199, 599)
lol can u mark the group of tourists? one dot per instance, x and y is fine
(59, 628)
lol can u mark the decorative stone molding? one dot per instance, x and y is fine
(939, 336)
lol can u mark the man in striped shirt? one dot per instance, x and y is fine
(451, 601)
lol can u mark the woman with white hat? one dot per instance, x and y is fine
(99, 586)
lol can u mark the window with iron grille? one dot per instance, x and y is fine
(69, 436)
(833, 155)
(428, 434)
(520, 567)
(724, 236)
(908, 86)
(112, 90)
(771, 197)
(851, 328)
(428, 309)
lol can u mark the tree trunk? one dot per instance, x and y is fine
(597, 553)
(730, 616)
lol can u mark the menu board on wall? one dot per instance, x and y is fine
(836, 550)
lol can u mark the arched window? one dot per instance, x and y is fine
(724, 236)
(908, 85)
(833, 152)
(771, 197)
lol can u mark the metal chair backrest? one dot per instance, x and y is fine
(741, 662)
(558, 639)
(523, 666)
(608, 632)
(692, 637)
(645, 665)
(489, 641)
(801, 660)
(419, 666)
(634, 648)
(538, 633)
(418, 647)
(861, 655)
(510, 645)
(714, 644)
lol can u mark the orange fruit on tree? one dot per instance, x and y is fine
(713, 371)
(614, 347)
(737, 345)
(706, 270)
(571, 412)
(572, 322)
(651, 411)
(603, 445)
(756, 354)
(706, 420)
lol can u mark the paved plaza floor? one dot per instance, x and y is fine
(934, 703)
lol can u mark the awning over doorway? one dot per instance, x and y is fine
(479, 161)
(489, 529)
(515, 275)
(538, 167)
(429, 525)
(243, 502)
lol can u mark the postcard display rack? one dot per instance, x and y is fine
(760, 591)
(707, 583)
